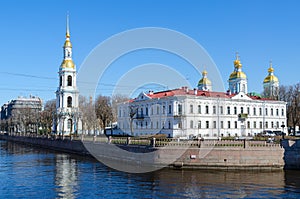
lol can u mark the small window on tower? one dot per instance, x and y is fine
(69, 80)
(69, 101)
(60, 81)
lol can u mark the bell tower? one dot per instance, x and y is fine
(67, 111)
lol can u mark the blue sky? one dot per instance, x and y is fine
(33, 32)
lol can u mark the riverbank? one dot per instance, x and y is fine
(216, 154)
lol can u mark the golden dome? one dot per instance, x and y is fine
(271, 78)
(204, 73)
(67, 63)
(271, 70)
(236, 62)
(68, 43)
(204, 81)
(237, 74)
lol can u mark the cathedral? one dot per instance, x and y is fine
(202, 112)
(67, 118)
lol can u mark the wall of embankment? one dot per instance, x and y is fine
(250, 156)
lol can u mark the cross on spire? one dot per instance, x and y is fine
(237, 56)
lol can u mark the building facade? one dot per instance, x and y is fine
(67, 120)
(185, 112)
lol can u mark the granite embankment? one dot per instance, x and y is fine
(224, 154)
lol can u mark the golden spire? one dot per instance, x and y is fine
(271, 69)
(271, 77)
(67, 30)
(237, 73)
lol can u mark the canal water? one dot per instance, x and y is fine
(27, 172)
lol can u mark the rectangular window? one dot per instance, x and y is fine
(235, 124)
(248, 110)
(179, 109)
(228, 124)
(221, 110)
(228, 110)
(199, 109)
(164, 109)
(170, 109)
(242, 109)
(254, 111)
(207, 124)
(254, 124)
(234, 111)
(266, 111)
(191, 108)
(222, 124)
(215, 124)
(266, 125)
(180, 125)
(277, 124)
(248, 124)
(282, 112)
(277, 112)
(214, 109)
(206, 110)
(272, 124)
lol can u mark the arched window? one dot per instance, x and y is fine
(69, 101)
(60, 81)
(69, 123)
(69, 80)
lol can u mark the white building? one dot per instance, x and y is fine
(201, 112)
(67, 112)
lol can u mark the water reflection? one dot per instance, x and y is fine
(65, 176)
(31, 172)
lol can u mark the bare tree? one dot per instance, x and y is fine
(103, 110)
(132, 112)
(291, 95)
(48, 116)
(89, 119)
(117, 99)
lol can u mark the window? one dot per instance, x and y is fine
(142, 111)
(180, 125)
(146, 111)
(214, 109)
(69, 101)
(260, 111)
(206, 110)
(60, 81)
(169, 124)
(199, 109)
(248, 110)
(215, 124)
(254, 111)
(191, 124)
(277, 112)
(170, 109)
(242, 109)
(235, 110)
(266, 111)
(146, 125)
(157, 125)
(267, 126)
(228, 110)
(151, 110)
(228, 124)
(199, 124)
(282, 112)
(222, 124)
(235, 124)
(272, 124)
(254, 124)
(271, 111)
(70, 124)
(157, 109)
(277, 124)
(260, 125)
(69, 80)
(179, 109)
(164, 109)
(191, 108)
(248, 124)
(207, 124)
(221, 109)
